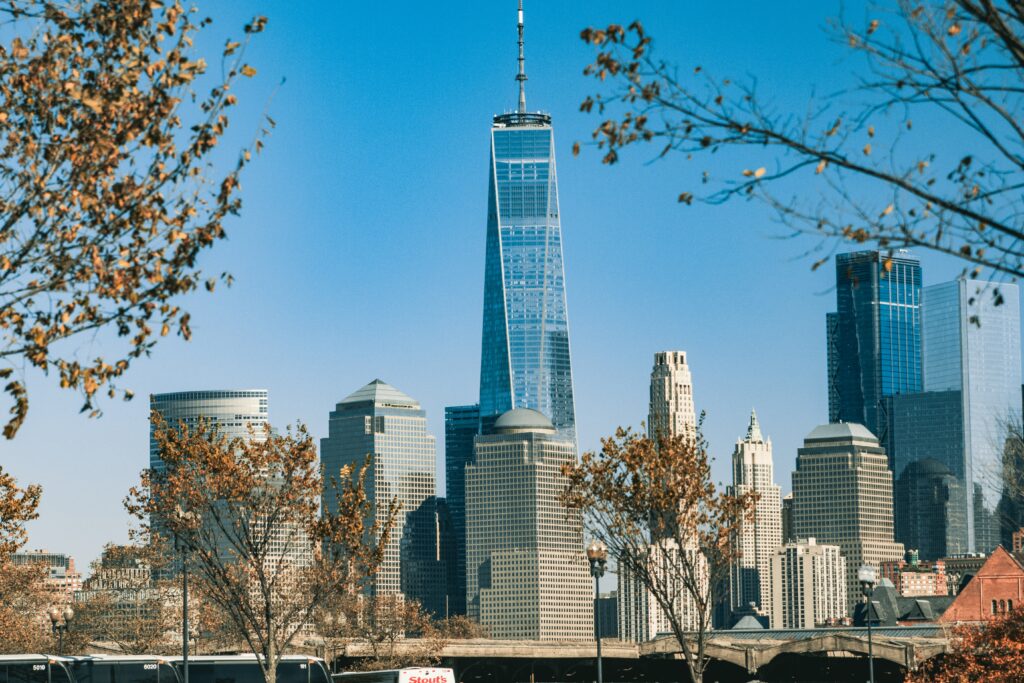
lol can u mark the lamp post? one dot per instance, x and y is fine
(57, 627)
(866, 577)
(187, 519)
(597, 553)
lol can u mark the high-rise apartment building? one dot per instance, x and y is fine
(809, 585)
(527, 576)
(671, 411)
(380, 421)
(753, 471)
(461, 425)
(972, 347)
(874, 337)
(842, 495)
(525, 361)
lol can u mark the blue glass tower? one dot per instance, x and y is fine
(875, 336)
(525, 347)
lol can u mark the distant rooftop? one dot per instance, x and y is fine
(381, 393)
(516, 119)
(841, 430)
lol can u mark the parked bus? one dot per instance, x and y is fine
(246, 669)
(397, 676)
(34, 669)
(122, 669)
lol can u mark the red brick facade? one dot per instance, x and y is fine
(997, 588)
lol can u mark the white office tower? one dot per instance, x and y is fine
(809, 585)
(758, 539)
(641, 616)
(526, 575)
(671, 410)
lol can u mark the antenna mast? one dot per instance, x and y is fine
(521, 76)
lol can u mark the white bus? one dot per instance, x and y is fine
(397, 676)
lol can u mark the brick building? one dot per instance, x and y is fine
(913, 577)
(996, 589)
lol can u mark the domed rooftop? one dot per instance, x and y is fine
(841, 430)
(523, 419)
(929, 466)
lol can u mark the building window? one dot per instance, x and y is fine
(995, 607)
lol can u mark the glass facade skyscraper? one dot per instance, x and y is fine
(875, 336)
(972, 347)
(461, 425)
(525, 359)
(381, 421)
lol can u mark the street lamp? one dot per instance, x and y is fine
(866, 577)
(597, 553)
(57, 628)
(187, 519)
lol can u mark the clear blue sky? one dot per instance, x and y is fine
(359, 253)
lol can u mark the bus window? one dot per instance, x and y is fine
(167, 674)
(294, 672)
(31, 672)
(137, 672)
(94, 672)
(248, 672)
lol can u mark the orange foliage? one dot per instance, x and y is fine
(993, 653)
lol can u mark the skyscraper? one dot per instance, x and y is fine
(972, 346)
(842, 495)
(461, 425)
(671, 411)
(874, 337)
(753, 471)
(527, 576)
(381, 421)
(525, 360)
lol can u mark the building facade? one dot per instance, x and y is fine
(913, 577)
(461, 425)
(971, 348)
(641, 617)
(527, 576)
(842, 495)
(874, 337)
(809, 585)
(996, 589)
(525, 360)
(671, 411)
(380, 421)
(753, 471)
(62, 578)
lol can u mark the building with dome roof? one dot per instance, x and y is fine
(526, 574)
(842, 495)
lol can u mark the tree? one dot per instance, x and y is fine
(958, 64)
(17, 507)
(388, 631)
(107, 184)
(130, 601)
(23, 593)
(993, 653)
(247, 512)
(653, 504)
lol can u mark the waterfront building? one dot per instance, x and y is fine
(671, 411)
(527, 576)
(525, 360)
(874, 336)
(842, 491)
(759, 538)
(380, 421)
(809, 585)
(461, 425)
(971, 348)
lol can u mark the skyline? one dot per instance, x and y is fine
(773, 293)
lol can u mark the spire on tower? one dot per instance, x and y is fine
(754, 430)
(521, 76)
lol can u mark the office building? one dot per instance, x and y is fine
(380, 421)
(671, 411)
(787, 518)
(461, 425)
(809, 585)
(758, 539)
(842, 495)
(61, 578)
(971, 347)
(608, 607)
(525, 360)
(874, 337)
(527, 576)
(913, 577)
(641, 617)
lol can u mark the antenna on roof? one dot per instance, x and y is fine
(521, 76)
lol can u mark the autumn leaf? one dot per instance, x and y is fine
(248, 71)
(873, 26)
